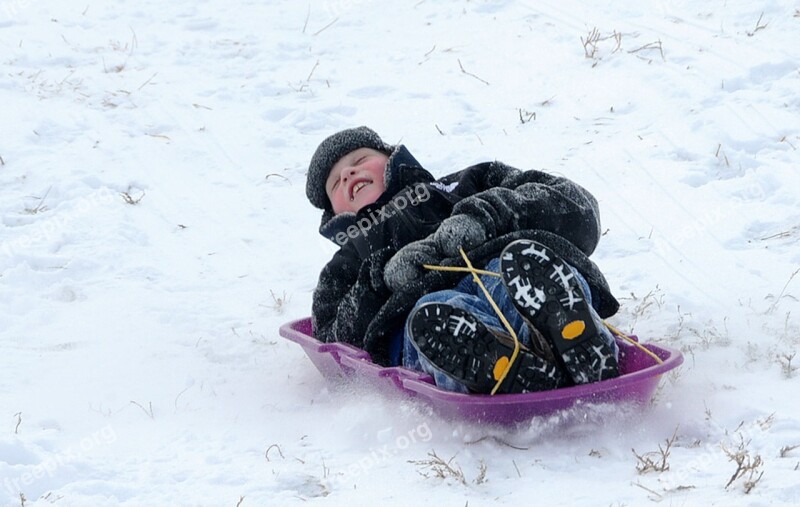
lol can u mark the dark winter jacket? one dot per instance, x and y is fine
(352, 303)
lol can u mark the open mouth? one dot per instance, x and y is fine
(357, 186)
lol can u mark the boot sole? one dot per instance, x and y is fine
(463, 348)
(545, 291)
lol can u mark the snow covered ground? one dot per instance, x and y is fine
(154, 234)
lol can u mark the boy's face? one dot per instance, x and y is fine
(356, 180)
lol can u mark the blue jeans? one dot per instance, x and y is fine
(468, 296)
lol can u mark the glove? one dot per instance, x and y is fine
(406, 265)
(459, 231)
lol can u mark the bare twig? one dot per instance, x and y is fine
(590, 43)
(190, 385)
(786, 364)
(40, 207)
(499, 441)
(325, 27)
(652, 45)
(720, 153)
(148, 411)
(241, 499)
(658, 495)
(547, 102)
(655, 296)
(427, 55)
(618, 40)
(440, 468)
(655, 461)
(746, 466)
(150, 79)
(758, 27)
(471, 74)
(276, 446)
(783, 292)
(279, 302)
(481, 478)
(766, 423)
(277, 176)
(786, 449)
(782, 234)
(312, 71)
(526, 116)
(131, 200)
(594, 37)
(784, 139)
(18, 415)
(308, 15)
(134, 41)
(2, 162)
(302, 87)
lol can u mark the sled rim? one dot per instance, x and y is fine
(341, 361)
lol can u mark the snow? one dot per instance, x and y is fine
(154, 234)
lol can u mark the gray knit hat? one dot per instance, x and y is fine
(330, 151)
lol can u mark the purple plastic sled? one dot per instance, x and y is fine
(639, 378)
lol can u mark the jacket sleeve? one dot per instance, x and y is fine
(508, 199)
(349, 293)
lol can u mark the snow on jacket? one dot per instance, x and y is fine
(352, 304)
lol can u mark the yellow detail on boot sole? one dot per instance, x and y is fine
(500, 367)
(573, 330)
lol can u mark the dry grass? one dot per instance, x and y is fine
(652, 46)
(128, 198)
(655, 461)
(279, 302)
(759, 26)
(40, 206)
(437, 467)
(748, 467)
(594, 38)
(777, 299)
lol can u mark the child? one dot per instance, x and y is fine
(391, 217)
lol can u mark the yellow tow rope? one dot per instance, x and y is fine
(500, 315)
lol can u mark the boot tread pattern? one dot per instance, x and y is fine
(545, 291)
(463, 348)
